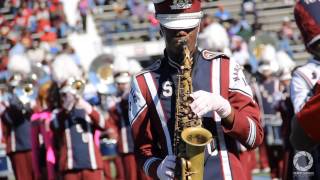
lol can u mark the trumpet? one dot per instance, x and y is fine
(74, 86)
(78, 85)
(28, 88)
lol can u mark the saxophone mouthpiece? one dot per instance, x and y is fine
(183, 41)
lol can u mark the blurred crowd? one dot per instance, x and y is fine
(60, 120)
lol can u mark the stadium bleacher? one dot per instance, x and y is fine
(270, 14)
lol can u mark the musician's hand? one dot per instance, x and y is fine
(166, 169)
(205, 102)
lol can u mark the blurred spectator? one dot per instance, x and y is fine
(154, 23)
(61, 27)
(239, 50)
(83, 7)
(286, 30)
(249, 7)
(285, 35)
(222, 14)
(20, 21)
(206, 21)
(14, 6)
(3, 62)
(241, 28)
(17, 48)
(32, 22)
(48, 35)
(138, 11)
(122, 21)
(43, 17)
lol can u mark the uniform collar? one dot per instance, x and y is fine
(175, 64)
(315, 61)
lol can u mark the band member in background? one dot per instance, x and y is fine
(221, 97)
(119, 119)
(43, 152)
(16, 119)
(74, 125)
(285, 107)
(304, 87)
(268, 90)
(306, 78)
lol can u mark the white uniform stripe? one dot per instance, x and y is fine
(137, 103)
(140, 111)
(250, 136)
(241, 92)
(124, 140)
(123, 132)
(13, 141)
(69, 147)
(102, 120)
(147, 164)
(253, 130)
(223, 150)
(249, 139)
(156, 101)
(91, 147)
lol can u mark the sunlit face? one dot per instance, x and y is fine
(174, 40)
(123, 87)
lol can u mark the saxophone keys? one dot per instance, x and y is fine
(185, 98)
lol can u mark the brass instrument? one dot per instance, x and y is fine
(26, 86)
(74, 86)
(190, 138)
(78, 85)
(25, 91)
(101, 74)
(258, 43)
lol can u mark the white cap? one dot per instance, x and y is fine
(122, 77)
(64, 68)
(19, 64)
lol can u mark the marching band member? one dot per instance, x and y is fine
(221, 97)
(119, 119)
(103, 96)
(267, 93)
(74, 125)
(16, 119)
(304, 89)
(43, 152)
(305, 78)
(284, 106)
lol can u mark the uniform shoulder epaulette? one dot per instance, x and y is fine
(210, 55)
(152, 67)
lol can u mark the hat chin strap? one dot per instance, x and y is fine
(316, 38)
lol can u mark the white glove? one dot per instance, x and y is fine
(277, 97)
(166, 169)
(205, 102)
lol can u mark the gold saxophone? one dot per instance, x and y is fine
(190, 138)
